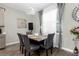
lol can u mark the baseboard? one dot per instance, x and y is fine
(56, 46)
(67, 49)
(12, 43)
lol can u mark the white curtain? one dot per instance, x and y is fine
(49, 20)
(40, 18)
(1, 17)
(61, 7)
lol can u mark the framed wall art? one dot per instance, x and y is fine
(21, 23)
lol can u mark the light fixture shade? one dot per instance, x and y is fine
(30, 11)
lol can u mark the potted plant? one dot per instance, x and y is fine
(75, 31)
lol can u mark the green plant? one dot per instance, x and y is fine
(75, 31)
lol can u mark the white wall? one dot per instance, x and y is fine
(10, 20)
(36, 22)
(67, 24)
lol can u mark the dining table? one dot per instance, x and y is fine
(37, 38)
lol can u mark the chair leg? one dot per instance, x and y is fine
(22, 50)
(39, 52)
(25, 52)
(20, 47)
(29, 54)
(46, 52)
(51, 50)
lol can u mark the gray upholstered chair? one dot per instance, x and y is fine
(21, 42)
(48, 43)
(28, 46)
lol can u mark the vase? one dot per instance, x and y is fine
(75, 48)
(75, 51)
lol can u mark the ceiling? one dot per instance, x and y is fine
(27, 7)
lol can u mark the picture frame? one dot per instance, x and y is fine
(21, 23)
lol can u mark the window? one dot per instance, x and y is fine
(49, 20)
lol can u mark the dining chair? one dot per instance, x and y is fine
(21, 42)
(48, 43)
(28, 46)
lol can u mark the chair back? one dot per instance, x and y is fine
(26, 42)
(20, 39)
(49, 40)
